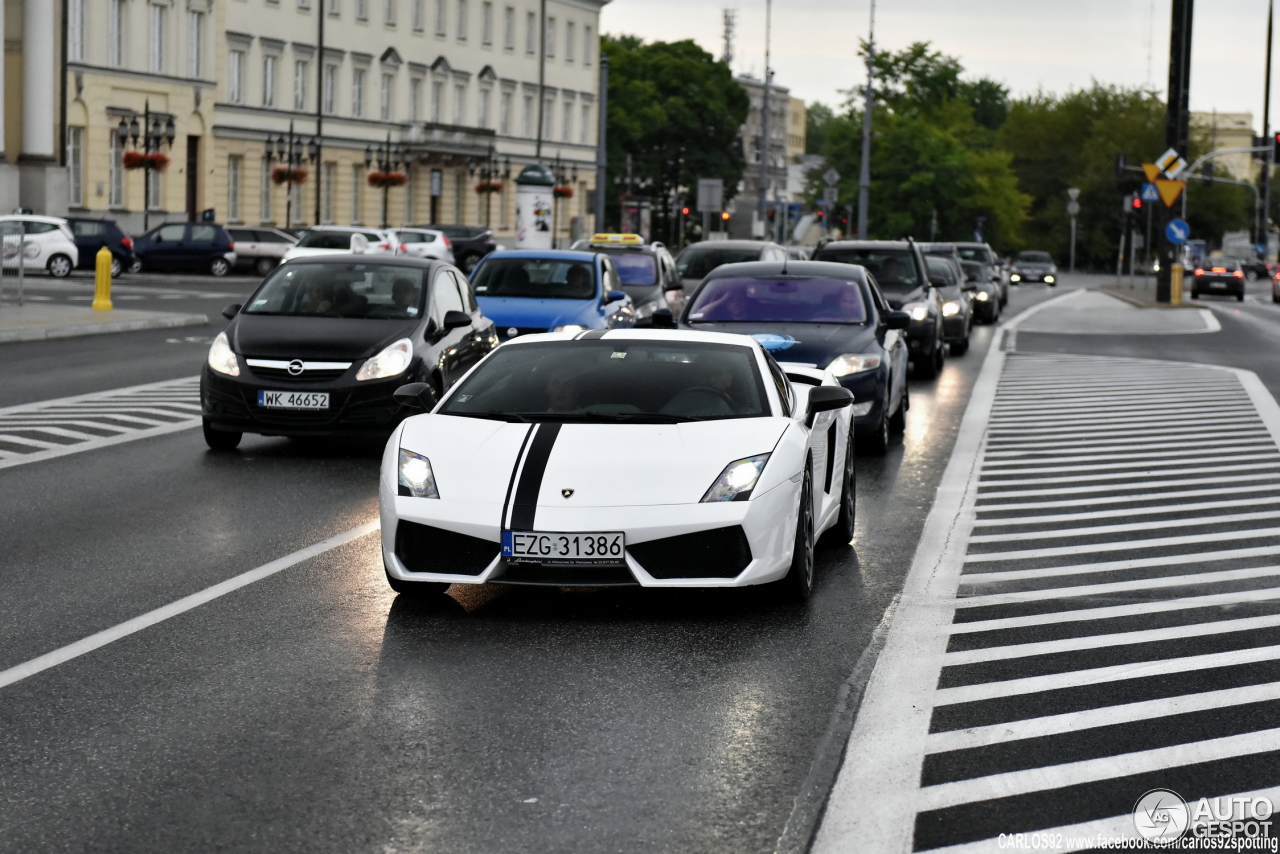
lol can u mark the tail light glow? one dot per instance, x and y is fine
(127, 242)
(1238, 274)
(1199, 271)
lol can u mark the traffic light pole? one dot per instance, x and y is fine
(1268, 160)
(1176, 131)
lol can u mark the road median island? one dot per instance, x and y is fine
(44, 321)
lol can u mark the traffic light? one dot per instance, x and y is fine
(1136, 204)
(684, 211)
(1275, 141)
(822, 217)
(772, 215)
(724, 215)
(1129, 204)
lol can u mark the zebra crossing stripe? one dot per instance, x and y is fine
(97, 420)
(1026, 686)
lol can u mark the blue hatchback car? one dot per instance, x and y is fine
(550, 290)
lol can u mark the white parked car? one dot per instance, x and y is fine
(46, 241)
(523, 473)
(425, 243)
(260, 249)
(341, 240)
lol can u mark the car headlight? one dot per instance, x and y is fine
(950, 309)
(416, 475)
(393, 360)
(851, 363)
(1048, 279)
(221, 358)
(570, 327)
(737, 480)
(917, 310)
(981, 296)
(1014, 277)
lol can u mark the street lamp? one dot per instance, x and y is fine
(390, 157)
(291, 150)
(152, 137)
(490, 169)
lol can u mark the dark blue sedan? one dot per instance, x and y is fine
(551, 291)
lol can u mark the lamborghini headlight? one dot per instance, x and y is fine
(917, 310)
(737, 480)
(951, 309)
(850, 363)
(221, 358)
(393, 360)
(416, 475)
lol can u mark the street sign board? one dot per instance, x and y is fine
(1073, 193)
(1151, 170)
(1169, 191)
(1164, 161)
(832, 195)
(710, 195)
(1073, 208)
(831, 177)
(1175, 168)
(1260, 249)
(1177, 231)
(1150, 193)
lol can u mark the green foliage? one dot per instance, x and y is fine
(817, 116)
(678, 112)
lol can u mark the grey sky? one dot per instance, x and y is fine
(1054, 45)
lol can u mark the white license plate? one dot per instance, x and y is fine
(294, 399)
(577, 549)
(1217, 284)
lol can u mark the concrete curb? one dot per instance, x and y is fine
(45, 332)
(1132, 300)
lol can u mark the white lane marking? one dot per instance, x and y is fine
(1102, 675)
(1039, 467)
(1165, 403)
(1104, 432)
(1084, 590)
(1223, 450)
(1171, 416)
(976, 578)
(1058, 533)
(173, 609)
(1024, 650)
(1092, 770)
(1152, 543)
(1126, 499)
(1153, 486)
(31, 443)
(1012, 521)
(1058, 402)
(1086, 615)
(1227, 438)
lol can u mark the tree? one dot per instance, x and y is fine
(816, 118)
(678, 113)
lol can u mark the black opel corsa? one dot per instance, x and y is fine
(323, 342)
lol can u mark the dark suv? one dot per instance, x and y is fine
(899, 269)
(93, 234)
(187, 247)
(470, 243)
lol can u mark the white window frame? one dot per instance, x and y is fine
(486, 22)
(195, 44)
(75, 30)
(551, 37)
(569, 36)
(437, 101)
(362, 10)
(459, 103)
(415, 99)
(156, 200)
(584, 132)
(235, 76)
(157, 22)
(301, 73)
(504, 114)
(327, 192)
(387, 103)
(115, 177)
(482, 119)
(509, 28)
(116, 34)
(265, 213)
(441, 28)
(418, 16)
(75, 164)
(270, 62)
(330, 88)
(358, 76)
(389, 13)
(566, 119)
(462, 20)
(586, 45)
(235, 183)
(531, 33)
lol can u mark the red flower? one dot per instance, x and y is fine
(489, 187)
(387, 179)
(565, 192)
(288, 175)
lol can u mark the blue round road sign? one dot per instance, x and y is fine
(1177, 231)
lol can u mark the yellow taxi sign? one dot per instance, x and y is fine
(631, 239)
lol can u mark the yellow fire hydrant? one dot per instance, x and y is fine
(102, 280)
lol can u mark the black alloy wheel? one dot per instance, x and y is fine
(219, 267)
(469, 262)
(220, 440)
(415, 589)
(927, 370)
(959, 348)
(135, 266)
(116, 267)
(264, 266)
(798, 583)
(898, 420)
(1240, 297)
(841, 533)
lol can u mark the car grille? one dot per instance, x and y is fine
(565, 576)
(309, 375)
(422, 548)
(718, 553)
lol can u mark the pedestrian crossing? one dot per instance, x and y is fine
(1101, 617)
(55, 428)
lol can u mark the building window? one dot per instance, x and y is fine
(389, 13)
(437, 101)
(440, 30)
(551, 37)
(333, 7)
(357, 92)
(415, 99)
(409, 195)
(264, 192)
(459, 103)
(483, 119)
(115, 180)
(155, 190)
(362, 10)
(75, 165)
(584, 132)
(304, 4)
(531, 32)
(388, 82)
(569, 36)
(357, 188)
(586, 45)
(75, 30)
(268, 81)
(548, 115)
(330, 88)
(462, 20)
(327, 192)
(417, 15)
(566, 130)
(234, 162)
(486, 22)
(235, 77)
(301, 71)
(509, 28)
(155, 61)
(458, 180)
(295, 199)
(504, 114)
(115, 34)
(195, 43)
(528, 116)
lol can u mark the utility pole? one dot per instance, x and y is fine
(763, 190)
(542, 73)
(1268, 159)
(1176, 129)
(864, 176)
(602, 152)
(320, 13)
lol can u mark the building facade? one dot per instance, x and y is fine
(439, 90)
(1228, 130)
(785, 149)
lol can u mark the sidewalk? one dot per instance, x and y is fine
(42, 321)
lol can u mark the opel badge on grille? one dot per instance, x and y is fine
(567, 493)
(296, 367)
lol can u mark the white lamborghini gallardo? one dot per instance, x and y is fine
(658, 458)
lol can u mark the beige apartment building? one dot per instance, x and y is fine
(1228, 130)
(452, 85)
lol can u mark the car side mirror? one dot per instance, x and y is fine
(416, 396)
(615, 296)
(896, 319)
(825, 398)
(663, 319)
(230, 311)
(454, 319)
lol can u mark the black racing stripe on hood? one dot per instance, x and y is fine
(511, 484)
(592, 334)
(535, 466)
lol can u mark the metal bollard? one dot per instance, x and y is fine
(102, 280)
(1175, 285)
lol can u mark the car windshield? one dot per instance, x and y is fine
(938, 267)
(1035, 258)
(603, 381)
(326, 240)
(779, 301)
(341, 290)
(892, 268)
(541, 278)
(972, 270)
(635, 268)
(695, 262)
(975, 253)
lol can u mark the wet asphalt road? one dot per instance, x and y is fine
(314, 711)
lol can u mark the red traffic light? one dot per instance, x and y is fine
(684, 211)
(1137, 204)
(724, 215)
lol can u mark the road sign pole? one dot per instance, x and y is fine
(1177, 130)
(1073, 244)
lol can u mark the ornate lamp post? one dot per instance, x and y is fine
(152, 137)
(566, 176)
(490, 171)
(291, 150)
(390, 158)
